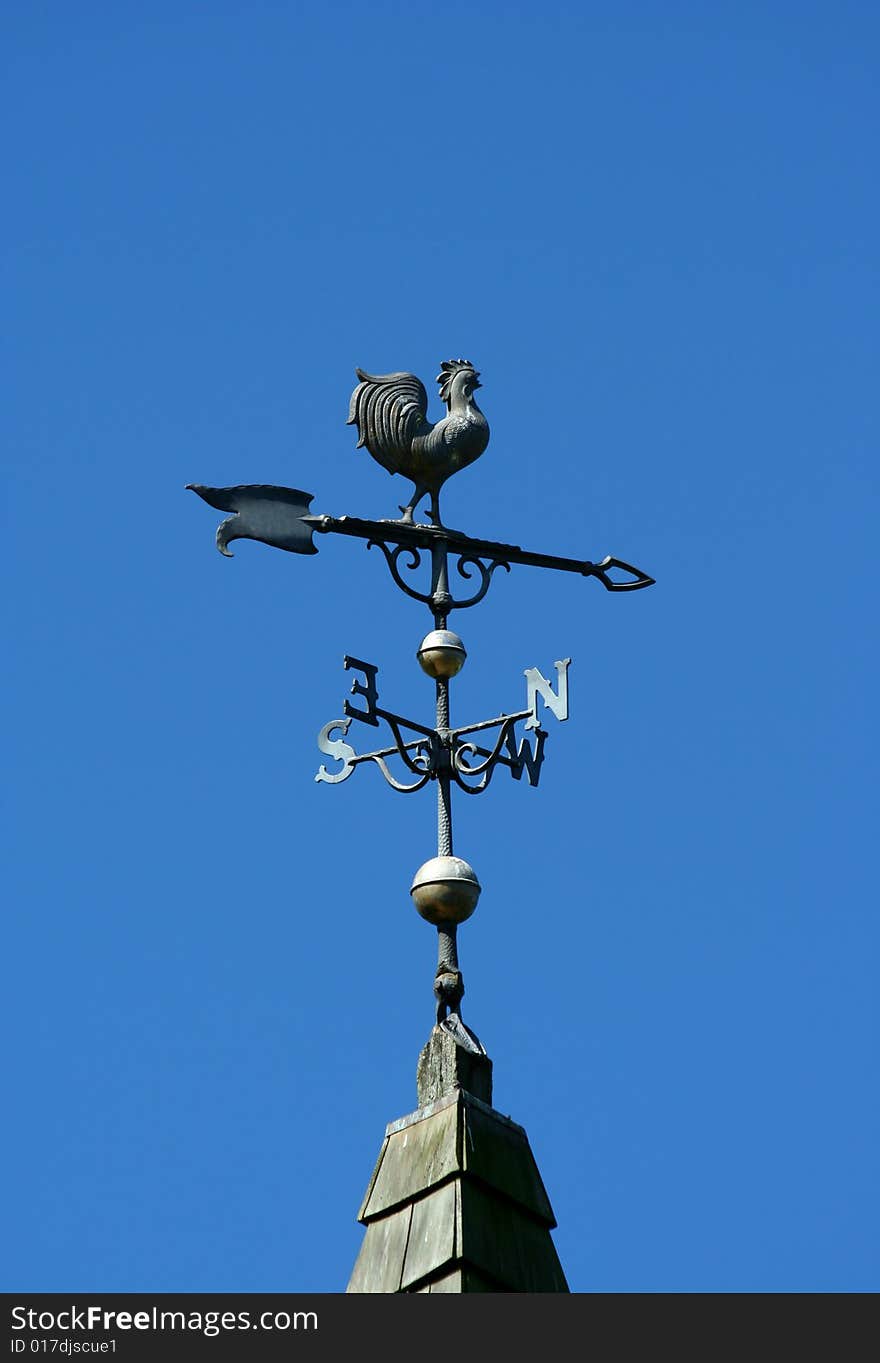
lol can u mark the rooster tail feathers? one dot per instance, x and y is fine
(354, 414)
(389, 410)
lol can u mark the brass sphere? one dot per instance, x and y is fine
(445, 890)
(441, 654)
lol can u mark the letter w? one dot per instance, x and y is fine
(524, 757)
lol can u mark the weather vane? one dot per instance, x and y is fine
(390, 413)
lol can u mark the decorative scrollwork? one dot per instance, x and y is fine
(420, 758)
(391, 557)
(439, 597)
(392, 780)
(425, 756)
(460, 763)
(461, 768)
(466, 561)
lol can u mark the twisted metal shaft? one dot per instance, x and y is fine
(448, 983)
(444, 792)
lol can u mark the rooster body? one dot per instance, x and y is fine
(391, 415)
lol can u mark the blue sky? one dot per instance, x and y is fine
(654, 230)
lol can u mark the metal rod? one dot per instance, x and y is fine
(444, 790)
(384, 752)
(448, 984)
(490, 723)
(447, 950)
(439, 601)
(432, 537)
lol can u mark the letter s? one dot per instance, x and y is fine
(335, 747)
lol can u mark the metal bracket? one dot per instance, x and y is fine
(470, 765)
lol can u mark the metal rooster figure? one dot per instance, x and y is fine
(390, 413)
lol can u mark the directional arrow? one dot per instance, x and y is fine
(279, 516)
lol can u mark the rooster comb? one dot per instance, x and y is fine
(448, 370)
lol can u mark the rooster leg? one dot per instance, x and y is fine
(414, 500)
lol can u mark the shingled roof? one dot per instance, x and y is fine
(456, 1202)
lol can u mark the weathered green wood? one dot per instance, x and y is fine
(380, 1263)
(456, 1204)
(445, 1067)
(414, 1160)
(497, 1152)
(374, 1176)
(495, 1236)
(458, 1135)
(462, 1279)
(431, 1235)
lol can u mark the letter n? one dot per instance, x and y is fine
(557, 701)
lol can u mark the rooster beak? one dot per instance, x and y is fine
(477, 383)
